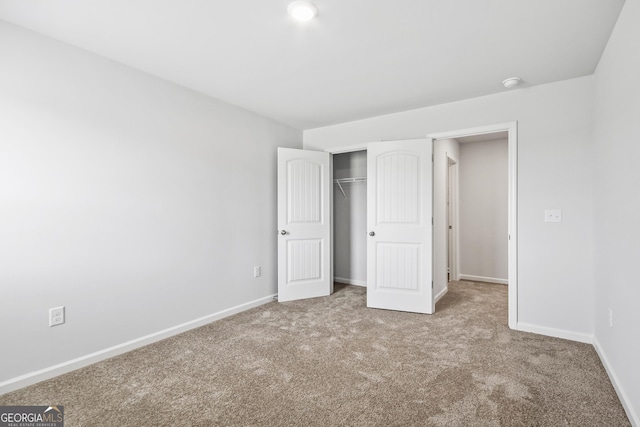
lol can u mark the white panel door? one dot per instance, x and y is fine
(399, 211)
(304, 228)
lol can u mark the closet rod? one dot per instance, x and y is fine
(356, 179)
(341, 181)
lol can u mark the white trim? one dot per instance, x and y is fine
(441, 294)
(513, 224)
(431, 143)
(471, 278)
(624, 399)
(331, 225)
(512, 129)
(350, 281)
(454, 212)
(557, 333)
(498, 127)
(347, 148)
(80, 362)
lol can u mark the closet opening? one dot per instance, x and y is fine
(350, 218)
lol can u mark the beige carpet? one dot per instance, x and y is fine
(332, 362)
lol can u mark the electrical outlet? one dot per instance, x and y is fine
(257, 271)
(553, 215)
(610, 317)
(56, 316)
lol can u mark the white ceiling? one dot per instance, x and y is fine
(359, 58)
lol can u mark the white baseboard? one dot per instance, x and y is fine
(441, 294)
(624, 399)
(471, 278)
(556, 333)
(80, 362)
(350, 281)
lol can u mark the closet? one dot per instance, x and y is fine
(350, 217)
(381, 239)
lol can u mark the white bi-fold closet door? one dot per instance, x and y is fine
(399, 212)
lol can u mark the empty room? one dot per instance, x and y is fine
(319, 213)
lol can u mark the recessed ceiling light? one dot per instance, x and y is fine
(302, 10)
(511, 82)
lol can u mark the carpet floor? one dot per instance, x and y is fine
(332, 362)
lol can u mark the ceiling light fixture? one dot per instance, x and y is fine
(511, 82)
(302, 10)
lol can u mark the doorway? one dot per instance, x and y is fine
(390, 212)
(399, 226)
(350, 218)
(447, 245)
(483, 227)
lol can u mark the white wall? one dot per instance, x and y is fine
(350, 219)
(617, 206)
(483, 198)
(131, 201)
(555, 262)
(442, 150)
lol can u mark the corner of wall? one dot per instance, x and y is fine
(625, 400)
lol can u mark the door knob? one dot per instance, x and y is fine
(371, 233)
(283, 232)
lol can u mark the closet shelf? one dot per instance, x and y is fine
(341, 181)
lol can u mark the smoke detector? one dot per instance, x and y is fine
(511, 82)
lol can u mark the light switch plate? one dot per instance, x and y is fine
(553, 215)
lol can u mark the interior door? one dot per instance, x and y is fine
(399, 212)
(304, 227)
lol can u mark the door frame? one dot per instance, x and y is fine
(512, 130)
(453, 219)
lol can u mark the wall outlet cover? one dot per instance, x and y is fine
(56, 316)
(553, 215)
